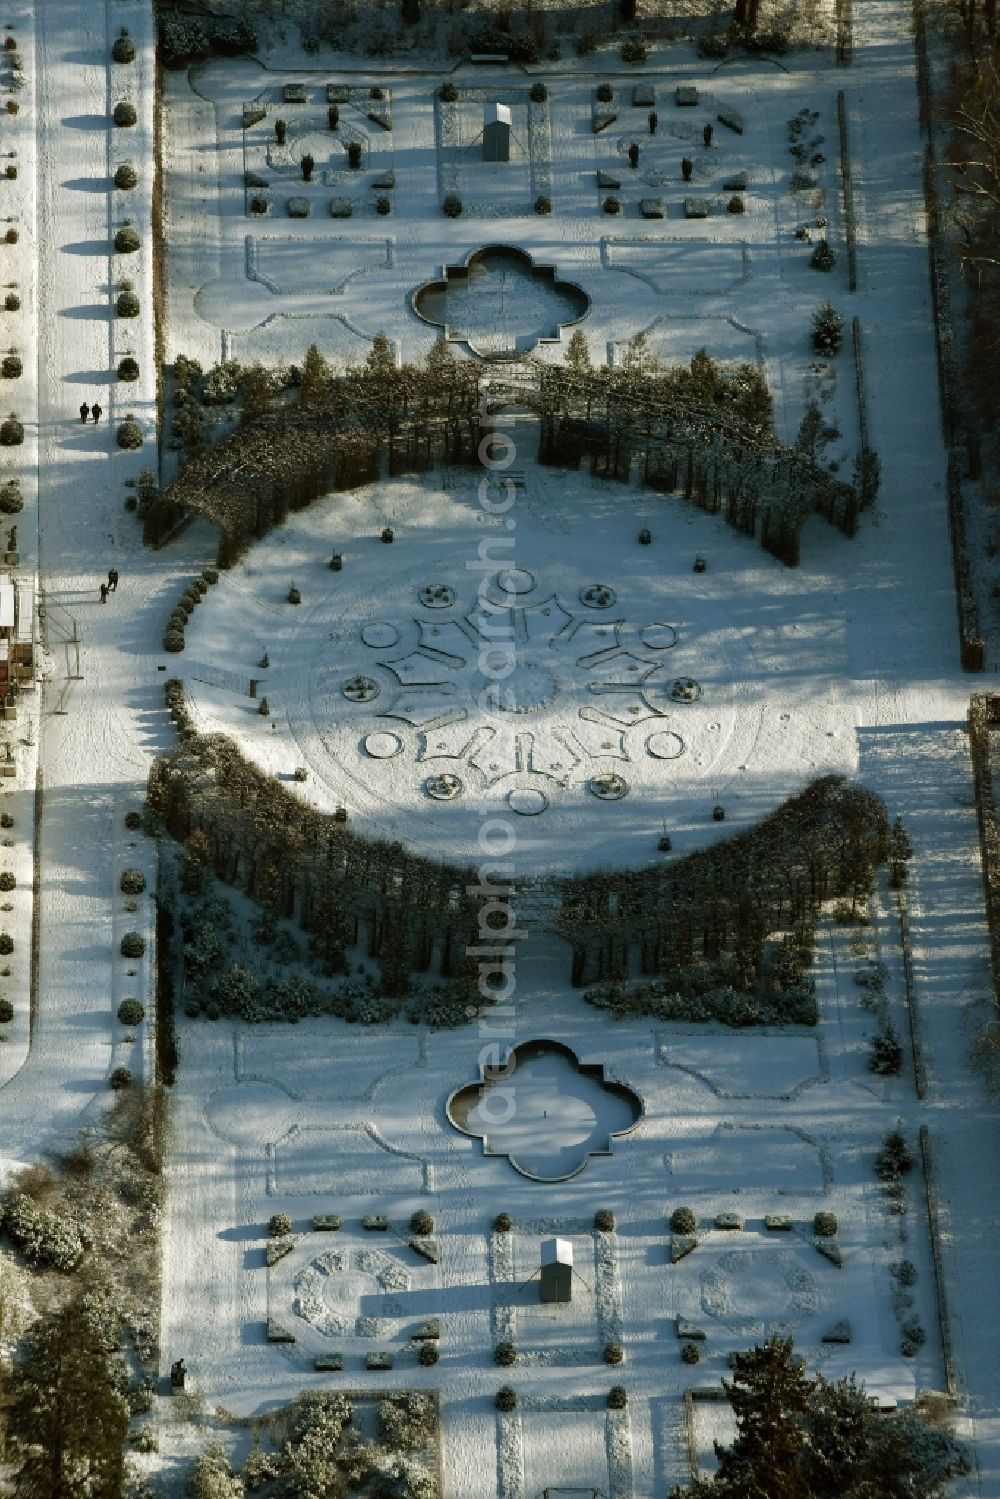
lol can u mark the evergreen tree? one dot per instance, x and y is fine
(257, 388)
(805, 1438)
(440, 360)
(213, 1478)
(578, 359)
(197, 863)
(769, 1393)
(900, 852)
(809, 437)
(827, 329)
(315, 378)
(67, 1418)
(382, 359)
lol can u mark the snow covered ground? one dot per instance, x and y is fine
(857, 647)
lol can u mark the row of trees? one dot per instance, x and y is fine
(415, 913)
(297, 862)
(703, 430)
(727, 899)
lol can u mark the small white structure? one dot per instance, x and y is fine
(496, 132)
(556, 1282)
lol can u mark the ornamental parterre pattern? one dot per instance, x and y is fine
(524, 683)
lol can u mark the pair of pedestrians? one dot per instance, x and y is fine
(111, 586)
(95, 411)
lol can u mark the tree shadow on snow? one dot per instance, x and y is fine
(87, 247)
(85, 122)
(93, 310)
(87, 184)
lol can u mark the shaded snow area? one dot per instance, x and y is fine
(640, 696)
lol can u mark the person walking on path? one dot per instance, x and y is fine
(112, 579)
(84, 412)
(104, 593)
(97, 412)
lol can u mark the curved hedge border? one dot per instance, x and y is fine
(309, 866)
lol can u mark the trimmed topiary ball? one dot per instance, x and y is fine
(617, 1397)
(120, 1078)
(131, 1012)
(421, 1223)
(129, 433)
(504, 1354)
(11, 432)
(448, 93)
(691, 1353)
(6, 944)
(683, 1221)
(539, 93)
(825, 1225)
(12, 302)
(133, 820)
(612, 204)
(543, 204)
(173, 641)
(127, 240)
(7, 880)
(127, 304)
(123, 48)
(279, 1225)
(12, 366)
(124, 114)
(6, 1012)
(451, 206)
(604, 1220)
(128, 368)
(502, 1223)
(505, 1398)
(614, 1353)
(132, 882)
(133, 945)
(126, 176)
(428, 1354)
(10, 498)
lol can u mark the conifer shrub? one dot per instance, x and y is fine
(126, 176)
(124, 114)
(127, 240)
(129, 434)
(132, 882)
(133, 945)
(123, 47)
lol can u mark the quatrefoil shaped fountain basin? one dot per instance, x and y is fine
(500, 302)
(545, 1110)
